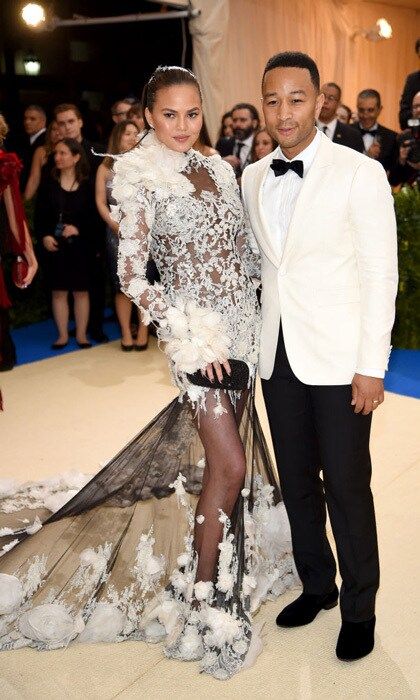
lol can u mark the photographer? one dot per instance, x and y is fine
(65, 221)
(407, 168)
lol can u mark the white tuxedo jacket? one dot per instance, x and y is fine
(334, 284)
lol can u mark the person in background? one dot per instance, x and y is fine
(236, 150)
(407, 169)
(411, 87)
(65, 222)
(135, 114)
(124, 137)
(226, 126)
(18, 242)
(379, 142)
(329, 123)
(343, 114)
(70, 121)
(262, 145)
(34, 124)
(119, 110)
(203, 143)
(40, 158)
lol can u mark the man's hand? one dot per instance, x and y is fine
(367, 393)
(375, 150)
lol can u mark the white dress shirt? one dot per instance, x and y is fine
(279, 199)
(368, 139)
(245, 150)
(35, 136)
(280, 193)
(328, 129)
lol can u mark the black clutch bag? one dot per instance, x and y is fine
(237, 380)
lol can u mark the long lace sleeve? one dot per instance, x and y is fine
(193, 334)
(135, 221)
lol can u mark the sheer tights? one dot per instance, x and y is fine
(222, 480)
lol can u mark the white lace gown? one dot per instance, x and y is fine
(116, 559)
(185, 211)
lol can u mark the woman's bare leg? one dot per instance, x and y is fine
(123, 311)
(223, 480)
(60, 309)
(81, 315)
(142, 332)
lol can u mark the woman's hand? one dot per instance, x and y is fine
(216, 367)
(32, 267)
(50, 244)
(69, 230)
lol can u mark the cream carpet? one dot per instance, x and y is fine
(76, 411)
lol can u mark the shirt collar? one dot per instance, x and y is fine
(248, 141)
(330, 126)
(35, 136)
(307, 155)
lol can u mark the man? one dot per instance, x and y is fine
(70, 122)
(411, 87)
(236, 149)
(119, 110)
(329, 123)
(34, 124)
(407, 169)
(379, 142)
(323, 217)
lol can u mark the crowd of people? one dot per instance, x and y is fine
(70, 182)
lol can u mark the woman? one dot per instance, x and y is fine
(135, 114)
(65, 222)
(262, 145)
(19, 243)
(124, 137)
(226, 126)
(192, 580)
(40, 158)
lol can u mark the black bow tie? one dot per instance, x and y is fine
(368, 131)
(281, 167)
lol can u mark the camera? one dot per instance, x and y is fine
(413, 155)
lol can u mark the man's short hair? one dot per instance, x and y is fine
(336, 87)
(114, 108)
(294, 59)
(370, 92)
(251, 109)
(37, 108)
(66, 107)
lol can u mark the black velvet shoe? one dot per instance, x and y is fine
(83, 346)
(141, 348)
(58, 346)
(305, 609)
(356, 640)
(127, 348)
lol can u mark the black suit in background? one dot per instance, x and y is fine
(411, 88)
(25, 150)
(346, 136)
(315, 428)
(389, 145)
(227, 146)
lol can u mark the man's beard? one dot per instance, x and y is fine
(242, 134)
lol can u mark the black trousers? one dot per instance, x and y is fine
(314, 429)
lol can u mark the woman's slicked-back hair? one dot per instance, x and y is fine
(163, 77)
(294, 59)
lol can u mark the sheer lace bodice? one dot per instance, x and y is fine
(185, 211)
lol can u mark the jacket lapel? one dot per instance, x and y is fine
(311, 186)
(266, 240)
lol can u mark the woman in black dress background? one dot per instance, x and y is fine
(65, 222)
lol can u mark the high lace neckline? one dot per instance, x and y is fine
(164, 155)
